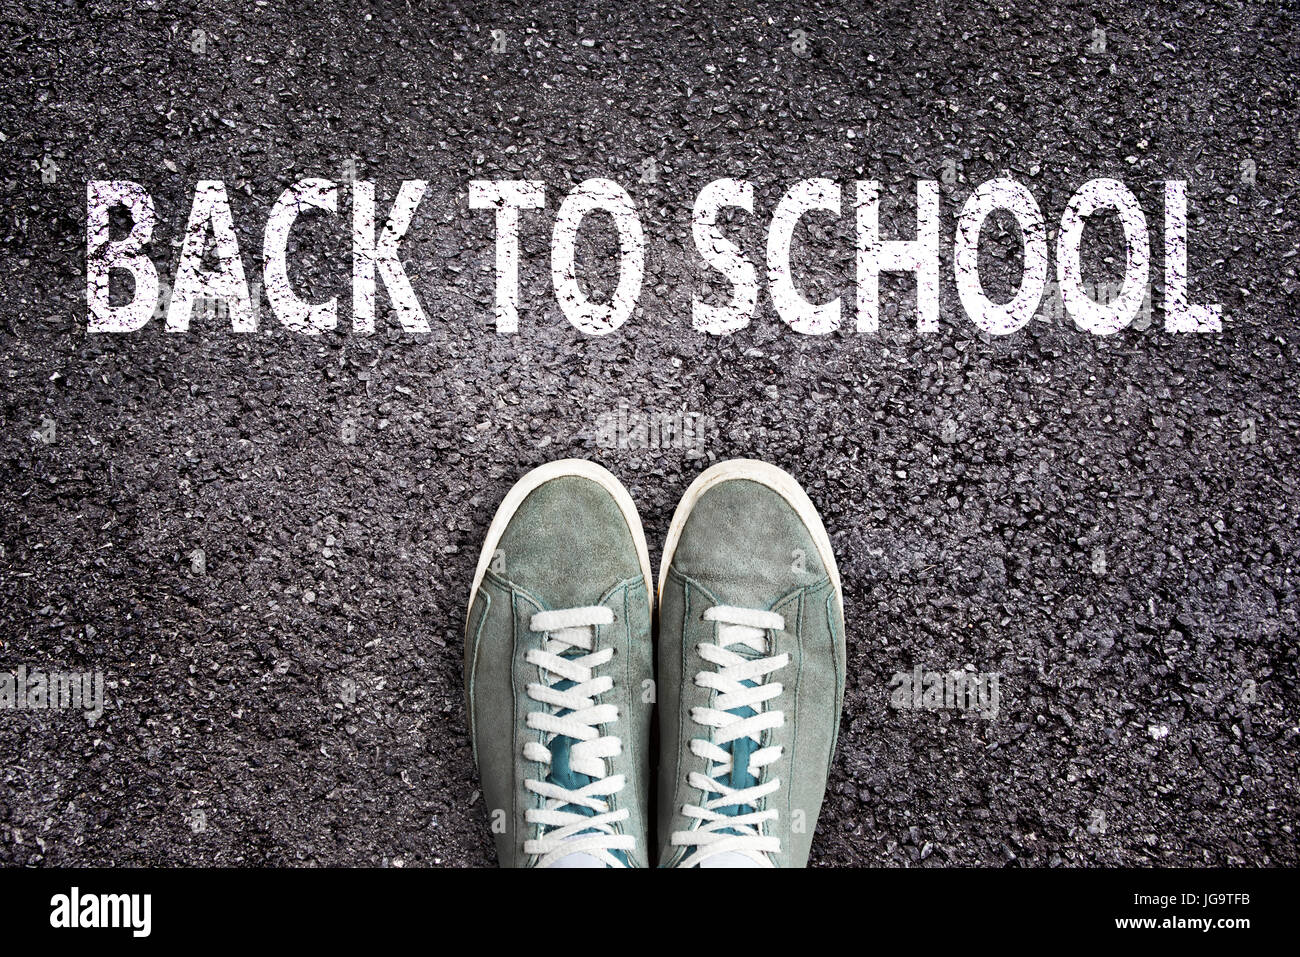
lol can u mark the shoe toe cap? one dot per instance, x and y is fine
(747, 544)
(568, 543)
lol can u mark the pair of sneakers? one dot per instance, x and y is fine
(562, 687)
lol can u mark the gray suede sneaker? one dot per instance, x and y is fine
(558, 667)
(751, 671)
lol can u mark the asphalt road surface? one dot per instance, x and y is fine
(264, 541)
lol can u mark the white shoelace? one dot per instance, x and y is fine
(575, 713)
(740, 683)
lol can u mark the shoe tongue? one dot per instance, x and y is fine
(730, 635)
(740, 749)
(562, 774)
(561, 748)
(740, 777)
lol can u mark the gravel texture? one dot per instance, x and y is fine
(1110, 524)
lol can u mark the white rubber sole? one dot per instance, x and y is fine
(779, 481)
(540, 476)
